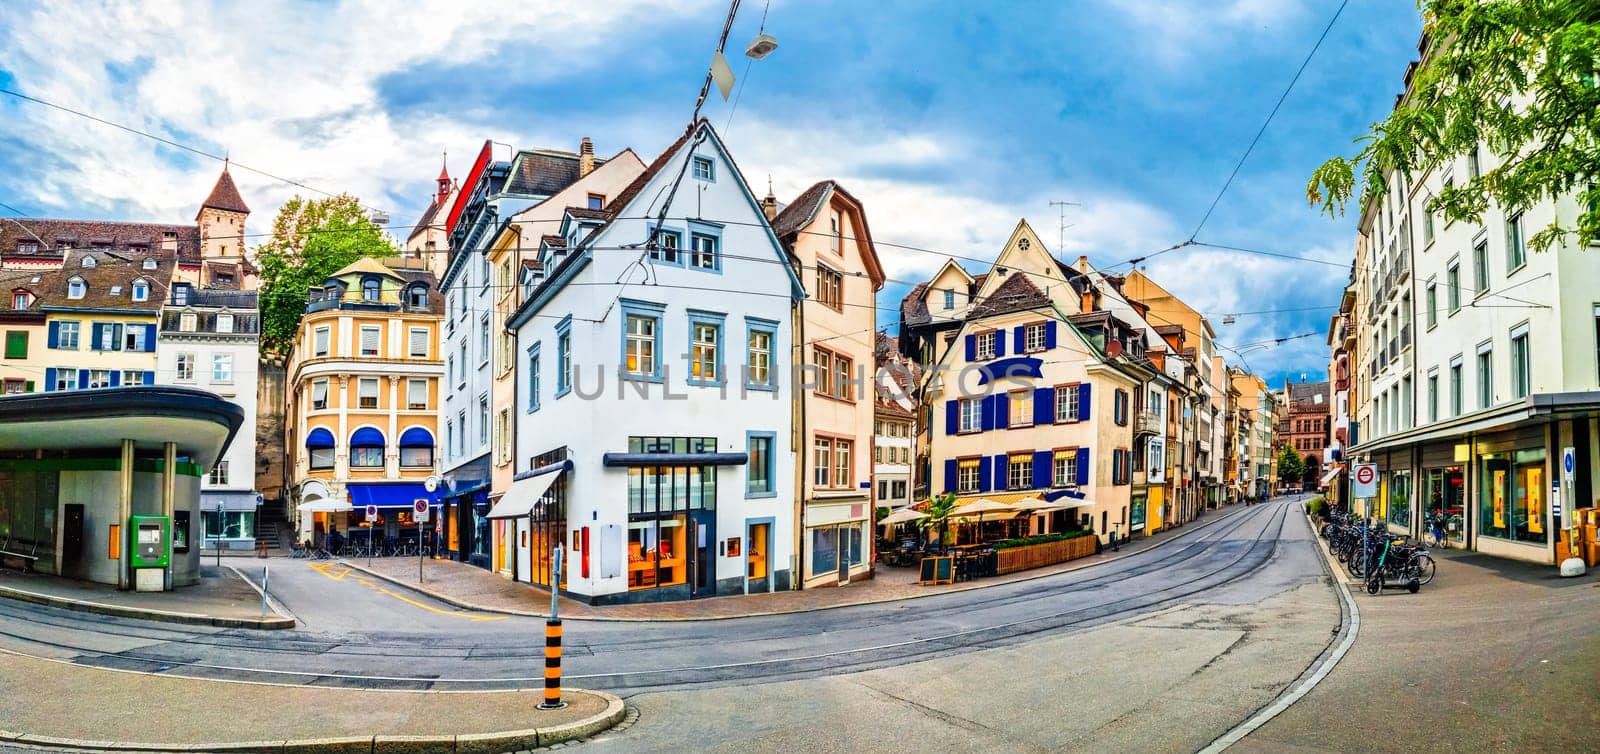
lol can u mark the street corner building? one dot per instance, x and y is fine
(363, 394)
(653, 414)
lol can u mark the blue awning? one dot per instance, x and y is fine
(319, 438)
(389, 495)
(416, 437)
(366, 437)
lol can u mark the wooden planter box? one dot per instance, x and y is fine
(1013, 559)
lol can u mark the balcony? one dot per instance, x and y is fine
(1146, 423)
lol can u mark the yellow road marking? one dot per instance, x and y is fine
(324, 568)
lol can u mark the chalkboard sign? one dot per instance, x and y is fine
(938, 570)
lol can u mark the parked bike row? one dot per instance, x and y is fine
(356, 546)
(1379, 559)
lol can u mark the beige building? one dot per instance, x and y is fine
(825, 233)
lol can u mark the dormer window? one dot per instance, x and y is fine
(116, 290)
(149, 264)
(88, 262)
(76, 288)
(224, 322)
(186, 322)
(949, 299)
(370, 289)
(21, 299)
(141, 290)
(27, 247)
(417, 297)
(180, 294)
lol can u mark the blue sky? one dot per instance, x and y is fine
(950, 122)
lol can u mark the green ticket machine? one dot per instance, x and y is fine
(149, 551)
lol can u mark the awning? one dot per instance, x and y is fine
(319, 438)
(366, 437)
(522, 496)
(1333, 472)
(390, 495)
(416, 437)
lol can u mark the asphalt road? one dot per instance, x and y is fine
(361, 633)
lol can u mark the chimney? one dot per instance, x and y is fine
(769, 206)
(585, 157)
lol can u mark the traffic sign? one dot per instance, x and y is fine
(420, 508)
(1567, 462)
(372, 513)
(1365, 476)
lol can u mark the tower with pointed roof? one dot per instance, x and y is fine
(222, 219)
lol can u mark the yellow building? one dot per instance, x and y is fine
(364, 382)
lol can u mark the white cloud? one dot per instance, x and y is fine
(1174, 31)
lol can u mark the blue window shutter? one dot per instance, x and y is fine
(1083, 402)
(1001, 480)
(952, 417)
(950, 475)
(150, 338)
(55, 335)
(983, 474)
(149, 377)
(116, 377)
(1019, 338)
(94, 336)
(83, 379)
(972, 348)
(999, 343)
(988, 413)
(50, 372)
(1002, 411)
(1041, 469)
(1050, 334)
(1083, 468)
(1044, 405)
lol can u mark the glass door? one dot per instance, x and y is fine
(703, 525)
(758, 569)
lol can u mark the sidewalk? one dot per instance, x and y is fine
(154, 712)
(473, 588)
(223, 598)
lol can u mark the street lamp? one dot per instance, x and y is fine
(761, 46)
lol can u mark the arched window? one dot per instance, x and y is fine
(416, 448)
(370, 289)
(366, 448)
(417, 297)
(141, 290)
(88, 262)
(319, 446)
(76, 288)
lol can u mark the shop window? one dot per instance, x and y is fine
(831, 544)
(1511, 500)
(1398, 486)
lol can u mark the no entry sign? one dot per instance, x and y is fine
(1365, 476)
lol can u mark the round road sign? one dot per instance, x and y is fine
(420, 506)
(1364, 474)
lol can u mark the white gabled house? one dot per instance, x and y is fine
(653, 407)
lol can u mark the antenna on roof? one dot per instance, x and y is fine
(1061, 231)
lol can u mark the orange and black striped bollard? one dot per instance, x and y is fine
(552, 666)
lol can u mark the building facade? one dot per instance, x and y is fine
(1306, 426)
(365, 381)
(653, 437)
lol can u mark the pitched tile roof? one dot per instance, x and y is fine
(59, 233)
(914, 310)
(1016, 293)
(543, 172)
(225, 195)
(1303, 395)
(112, 271)
(584, 213)
(802, 210)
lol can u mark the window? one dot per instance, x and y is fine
(830, 288)
(99, 378)
(831, 463)
(1067, 403)
(461, 376)
(419, 342)
(833, 373)
(1433, 305)
(1519, 362)
(1485, 375)
(985, 345)
(450, 438)
(319, 390)
(667, 248)
(219, 473)
(366, 448)
(371, 289)
(703, 251)
(450, 369)
(15, 386)
(27, 247)
(17, 344)
(1021, 405)
(949, 299)
(370, 337)
(967, 471)
(483, 420)
(1433, 396)
(704, 169)
(597, 201)
(224, 322)
(417, 297)
(502, 436)
(1427, 226)
(76, 288)
(21, 300)
(508, 350)
(141, 292)
(821, 462)
(1512, 488)
(705, 350)
(563, 362)
(971, 414)
(640, 351)
(1452, 283)
(66, 379)
(89, 261)
(1119, 407)
(320, 342)
(106, 338)
(1480, 267)
(185, 371)
(760, 478)
(759, 355)
(132, 377)
(416, 448)
(1456, 389)
(483, 341)
(835, 232)
(1516, 244)
(416, 394)
(533, 378)
(1034, 337)
(222, 368)
(367, 392)
(1065, 471)
(1019, 472)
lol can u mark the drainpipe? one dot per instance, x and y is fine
(798, 444)
(124, 511)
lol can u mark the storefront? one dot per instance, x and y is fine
(838, 542)
(228, 519)
(529, 521)
(1512, 477)
(397, 524)
(1443, 492)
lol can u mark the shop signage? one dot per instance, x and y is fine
(420, 508)
(1365, 476)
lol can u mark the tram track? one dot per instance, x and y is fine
(177, 661)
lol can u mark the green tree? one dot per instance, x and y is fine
(1522, 76)
(1290, 466)
(939, 515)
(311, 240)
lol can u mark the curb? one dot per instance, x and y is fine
(470, 743)
(1187, 529)
(165, 616)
